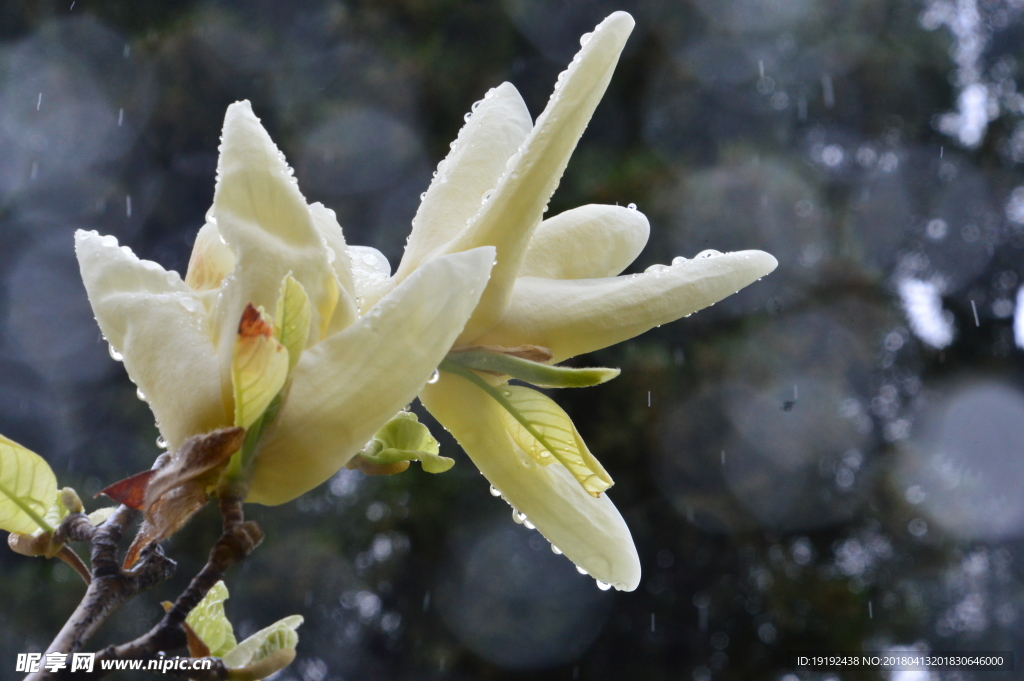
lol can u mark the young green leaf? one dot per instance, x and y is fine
(529, 371)
(259, 367)
(27, 489)
(543, 430)
(210, 623)
(264, 643)
(404, 438)
(293, 315)
(100, 515)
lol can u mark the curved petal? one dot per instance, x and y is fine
(211, 260)
(346, 387)
(508, 219)
(588, 530)
(371, 274)
(475, 164)
(575, 316)
(160, 328)
(588, 242)
(326, 222)
(264, 219)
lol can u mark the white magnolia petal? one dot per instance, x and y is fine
(211, 260)
(326, 222)
(575, 316)
(346, 387)
(588, 242)
(588, 530)
(371, 275)
(475, 164)
(508, 219)
(160, 328)
(265, 221)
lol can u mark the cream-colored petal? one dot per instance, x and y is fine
(575, 316)
(160, 328)
(371, 274)
(211, 260)
(496, 128)
(508, 219)
(346, 387)
(264, 219)
(588, 242)
(326, 223)
(588, 530)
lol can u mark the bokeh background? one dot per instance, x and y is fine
(831, 460)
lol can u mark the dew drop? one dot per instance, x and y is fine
(709, 253)
(528, 525)
(114, 354)
(476, 105)
(487, 196)
(585, 38)
(517, 517)
(423, 196)
(141, 395)
(580, 570)
(631, 206)
(495, 492)
(679, 260)
(555, 550)
(467, 116)
(656, 268)
(161, 442)
(434, 377)
(602, 585)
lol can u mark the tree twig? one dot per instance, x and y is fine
(238, 539)
(110, 587)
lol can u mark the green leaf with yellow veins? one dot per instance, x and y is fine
(28, 488)
(259, 367)
(210, 623)
(404, 438)
(264, 644)
(293, 315)
(544, 431)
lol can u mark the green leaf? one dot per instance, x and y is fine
(259, 367)
(100, 515)
(526, 370)
(278, 636)
(211, 624)
(542, 429)
(27, 489)
(293, 315)
(404, 438)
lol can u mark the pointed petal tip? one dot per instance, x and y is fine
(619, 20)
(760, 262)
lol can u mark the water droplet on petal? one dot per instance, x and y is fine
(141, 395)
(114, 354)
(585, 38)
(580, 570)
(679, 260)
(709, 253)
(517, 517)
(656, 268)
(495, 492)
(434, 377)
(631, 206)
(528, 525)
(161, 442)
(602, 586)
(467, 116)
(423, 196)
(555, 550)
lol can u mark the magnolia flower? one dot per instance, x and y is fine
(346, 374)
(552, 294)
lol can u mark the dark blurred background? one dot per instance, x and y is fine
(831, 460)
